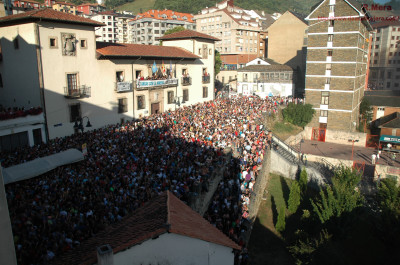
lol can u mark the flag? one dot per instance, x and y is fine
(154, 67)
(163, 67)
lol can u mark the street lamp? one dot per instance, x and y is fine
(352, 148)
(177, 102)
(79, 126)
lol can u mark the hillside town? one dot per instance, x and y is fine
(234, 135)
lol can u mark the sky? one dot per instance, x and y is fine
(381, 1)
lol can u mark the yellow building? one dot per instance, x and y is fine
(65, 7)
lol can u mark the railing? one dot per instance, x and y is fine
(123, 86)
(186, 81)
(149, 84)
(79, 92)
(206, 79)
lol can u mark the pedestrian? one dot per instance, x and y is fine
(373, 159)
(305, 159)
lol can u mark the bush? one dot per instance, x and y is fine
(281, 223)
(294, 197)
(298, 114)
(303, 181)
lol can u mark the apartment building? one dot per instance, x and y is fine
(337, 62)
(287, 44)
(89, 9)
(65, 7)
(148, 26)
(265, 78)
(238, 29)
(72, 77)
(28, 4)
(385, 56)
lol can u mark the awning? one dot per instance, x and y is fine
(390, 139)
(40, 166)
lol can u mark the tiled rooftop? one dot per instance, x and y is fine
(108, 49)
(47, 14)
(165, 213)
(187, 34)
(165, 15)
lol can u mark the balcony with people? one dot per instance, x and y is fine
(157, 80)
(206, 77)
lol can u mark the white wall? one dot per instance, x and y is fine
(264, 89)
(173, 249)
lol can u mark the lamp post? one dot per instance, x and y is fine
(79, 126)
(177, 102)
(352, 148)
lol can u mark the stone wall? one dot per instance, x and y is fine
(383, 171)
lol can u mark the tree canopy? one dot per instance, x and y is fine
(298, 114)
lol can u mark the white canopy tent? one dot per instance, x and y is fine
(41, 165)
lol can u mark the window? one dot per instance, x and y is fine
(376, 46)
(328, 66)
(122, 105)
(170, 97)
(74, 112)
(1, 81)
(53, 42)
(140, 102)
(376, 54)
(328, 80)
(205, 92)
(200, 51)
(392, 37)
(119, 76)
(185, 95)
(210, 51)
(375, 61)
(389, 75)
(324, 98)
(72, 82)
(330, 52)
(16, 43)
(323, 113)
(330, 37)
(156, 24)
(388, 85)
(83, 43)
(377, 38)
(331, 23)
(331, 8)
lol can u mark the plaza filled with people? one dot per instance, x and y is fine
(128, 164)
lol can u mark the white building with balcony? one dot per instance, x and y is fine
(148, 26)
(71, 77)
(265, 78)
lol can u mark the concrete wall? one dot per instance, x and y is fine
(173, 249)
(383, 171)
(281, 166)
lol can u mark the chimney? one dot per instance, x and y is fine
(263, 13)
(105, 255)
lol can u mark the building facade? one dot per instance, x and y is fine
(287, 44)
(238, 29)
(89, 9)
(146, 27)
(385, 56)
(65, 7)
(337, 61)
(265, 78)
(74, 78)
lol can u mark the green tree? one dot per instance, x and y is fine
(294, 197)
(218, 62)
(175, 29)
(298, 114)
(365, 111)
(281, 222)
(303, 181)
(339, 197)
(388, 197)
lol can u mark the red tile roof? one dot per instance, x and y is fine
(28, 1)
(386, 23)
(165, 15)
(187, 34)
(108, 49)
(238, 58)
(47, 14)
(164, 214)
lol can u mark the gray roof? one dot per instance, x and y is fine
(389, 121)
(265, 68)
(383, 100)
(387, 93)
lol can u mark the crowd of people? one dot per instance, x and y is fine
(12, 113)
(128, 164)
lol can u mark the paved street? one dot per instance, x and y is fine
(342, 151)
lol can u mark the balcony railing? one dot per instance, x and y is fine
(123, 86)
(186, 81)
(78, 92)
(152, 84)
(206, 79)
